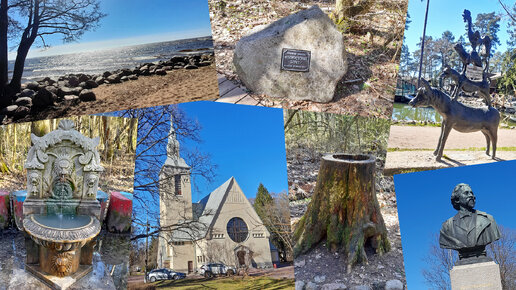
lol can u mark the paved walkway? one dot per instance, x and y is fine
(419, 137)
(408, 139)
(408, 161)
(234, 94)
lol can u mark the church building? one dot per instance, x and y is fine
(221, 227)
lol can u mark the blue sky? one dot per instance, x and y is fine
(447, 15)
(131, 22)
(424, 204)
(246, 142)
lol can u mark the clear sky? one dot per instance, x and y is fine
(424, 204)
(131, 22)
(246, 142)
(447, 15)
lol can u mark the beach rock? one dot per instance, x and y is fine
(319, 279)
(87, 96)
(160, 72)
(106, 74)
(9, 110)
(100, 80)
(133, 77)
(311, 286)
(42, 98)
(144, 72)
(32, 86)
(28, 93)
(52, 89)
(48, 81)
(72, 99)
(62, 91)
(168, 67)
(362, 287)
(204, 63)
(191, 66)
(257, 57)
(334, 286)
(21, 112)
(299, 285)
(124, 79)
(394, 285)
(113, 79)
(125, 72)
(23, 101)
(177, 59)
(73, 82)
(88, 84)
(83, 78)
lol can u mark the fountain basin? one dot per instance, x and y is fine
(61, 239)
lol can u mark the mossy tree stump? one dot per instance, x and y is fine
(344, 210)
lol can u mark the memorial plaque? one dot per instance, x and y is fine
(474, 72)
(295, 60)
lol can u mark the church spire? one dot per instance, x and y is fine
(173, 157)
(173, 144)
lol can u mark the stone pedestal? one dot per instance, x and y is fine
(480, 276)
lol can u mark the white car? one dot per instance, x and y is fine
(214, 269)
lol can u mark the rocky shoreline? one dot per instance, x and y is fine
(73, 89)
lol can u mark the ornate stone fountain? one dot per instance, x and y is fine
(61, 212)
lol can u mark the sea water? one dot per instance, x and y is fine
(97, 62)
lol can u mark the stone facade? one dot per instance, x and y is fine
(222, 227)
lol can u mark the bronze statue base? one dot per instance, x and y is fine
(58, 283)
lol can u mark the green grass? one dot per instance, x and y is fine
(233, 283)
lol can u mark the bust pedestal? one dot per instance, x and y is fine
(478, 276)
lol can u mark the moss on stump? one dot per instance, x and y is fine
(344, 210)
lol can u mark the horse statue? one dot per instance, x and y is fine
(458, 116)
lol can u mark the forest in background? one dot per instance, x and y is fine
(330, 133)
(117, 149)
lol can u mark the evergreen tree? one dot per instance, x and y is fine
(263, 198)
(489, 24)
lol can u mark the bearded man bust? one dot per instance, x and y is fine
(470, 230)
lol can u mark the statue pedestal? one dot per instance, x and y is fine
(477, 276)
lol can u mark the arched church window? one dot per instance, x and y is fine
(237, 230)
(177, 184)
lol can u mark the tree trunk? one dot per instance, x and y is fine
(5, 98)
(19, 64)
(344, 210)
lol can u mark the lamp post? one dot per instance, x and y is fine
(422, 45)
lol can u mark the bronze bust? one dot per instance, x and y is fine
(470, 230)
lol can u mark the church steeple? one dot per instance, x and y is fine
(173, 144)
(173, 158)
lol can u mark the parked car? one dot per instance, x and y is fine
(214, 269)
(164, 274)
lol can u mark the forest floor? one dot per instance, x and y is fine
(303, 167)
(411, 149)
(373, 51)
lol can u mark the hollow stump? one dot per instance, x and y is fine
(344, 210)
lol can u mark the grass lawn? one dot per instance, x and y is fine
(233, 283)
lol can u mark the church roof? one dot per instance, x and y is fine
(204, 212)
(211, 203)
